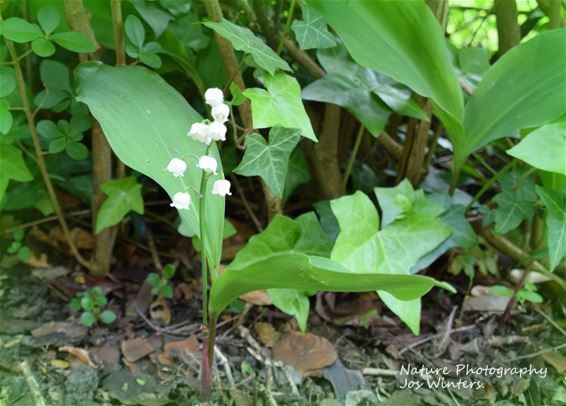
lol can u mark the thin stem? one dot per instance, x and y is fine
(353, 156)
(39, 154)
(287, 27)
(117, 25)
(490, 183)
(204, 248)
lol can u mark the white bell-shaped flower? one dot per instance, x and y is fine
(221, 187)
(200, 132)
(177, 167)
(213, 96)
(220, 113)
(181, 200)
(217, 131)
(207, 164)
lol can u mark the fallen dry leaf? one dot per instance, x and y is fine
(38, 261)
(174, 349)
(307, 353)
(159, 311)
(267, 333)
(79, 353)
(136, 349)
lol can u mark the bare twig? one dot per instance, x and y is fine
(32, 384)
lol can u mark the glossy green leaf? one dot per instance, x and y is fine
(74, 41)
(133, 103)
(48, 18)
(270, 261)
(524, 88)
(243, 39)
(19, 30)
(42, 47)
(544, 148)
(297, 173)
(7, 81)
(12, 167)
(123, 196)
(312, 31)
(555, 203)
(401, 39)
(134, 30)
(153, 15)
(269, 160)
(363, 248)
(280, 104)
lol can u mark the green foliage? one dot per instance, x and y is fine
(312, 31)
(133, 103)
(146, 52)
(269, 160)
(160, 284)
(507, 99)
(12, 167)
(544, 148)
(243, 39)
(92, 303)
(271, 260)
(280, 105)
(19, 30)
(555, 203)
(363, 247)
(124, 195)
(401, 39)
(66, 135)
(18, 247)
(527, 293)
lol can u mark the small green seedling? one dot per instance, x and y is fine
(17, 247)
(160, 284)
(92, 302)
(527, 294)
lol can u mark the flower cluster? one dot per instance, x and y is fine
(205, 132)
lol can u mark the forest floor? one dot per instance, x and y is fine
(151, 354)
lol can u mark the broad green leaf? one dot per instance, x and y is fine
(362, 247)
(74, 41)
(313, 240)
(311, 31)
(524, 88)
(48, 18)
(133, 103)
(544, 148)
(19, 30)
(555, 203)
(297, 173)
(6, 119)
(269, 261)
(243, 39)
(280, 105)
(134, 30)
(12, 167)
(42, 47)
(292, 302)
(269, 160)
(123, 196)
(401, 39)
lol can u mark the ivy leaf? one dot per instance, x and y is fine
(74, 41)
(19, 30)
(134, 30)
(124, 195)
(270, 160)
(42, 47)
(243, 39)
(48, 18)
(281, 105)
(292, 302)
(312, 31)
(363, 248)
(544, 148)
(297, 174)
(511, 211)
(12, 167)
(555, 203)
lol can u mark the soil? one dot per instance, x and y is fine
(142, 361)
